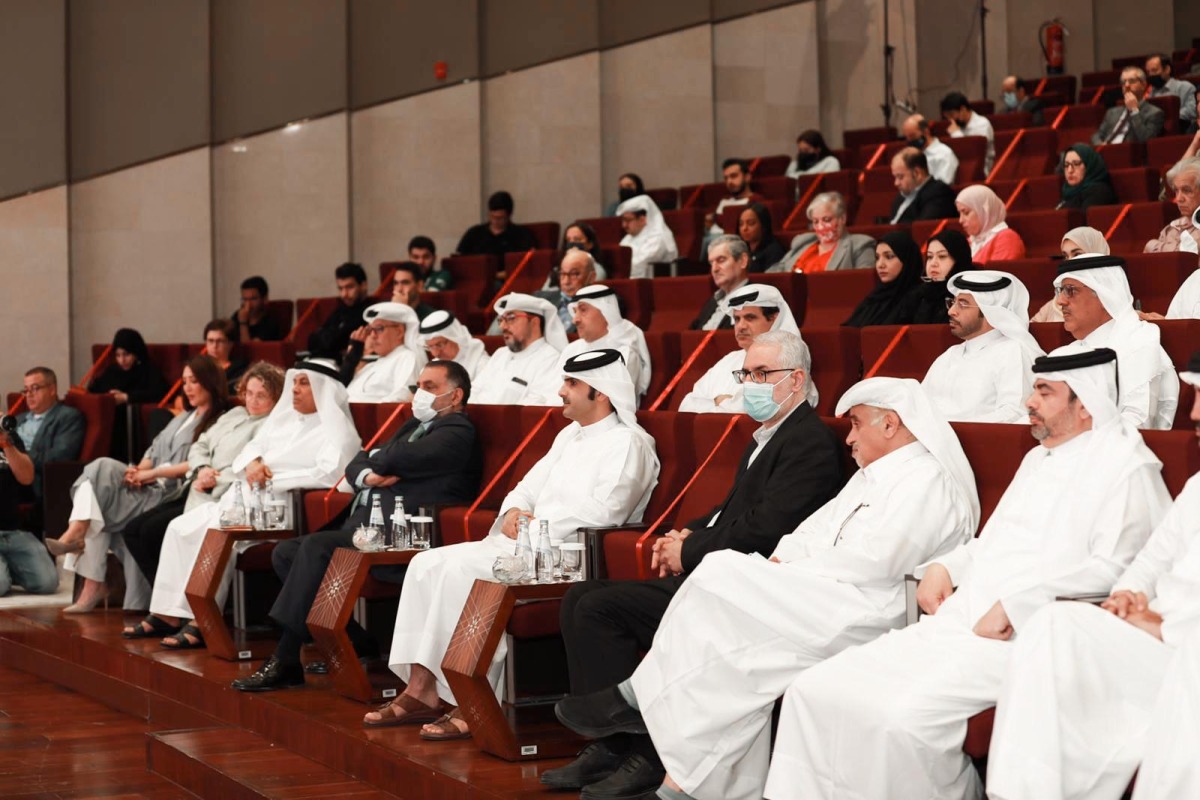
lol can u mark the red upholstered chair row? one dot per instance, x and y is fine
(1139, 225)
(1031, 155)
(545, 234)
(311, 314)
(1165, 151)
(780, 210)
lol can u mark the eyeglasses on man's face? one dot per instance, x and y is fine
(757, 375)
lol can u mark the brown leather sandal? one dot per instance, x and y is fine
(445, 730)
(411, 712)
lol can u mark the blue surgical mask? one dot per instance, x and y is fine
(759, 399)
(1010, 99)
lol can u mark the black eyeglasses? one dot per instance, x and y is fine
(757, 375)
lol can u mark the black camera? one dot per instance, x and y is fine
(8, 423)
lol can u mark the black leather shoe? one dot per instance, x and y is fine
(594, 763)
(599, 714)
(637, 777)
(272, 675)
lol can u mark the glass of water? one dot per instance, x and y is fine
(572, 561)
(421, 529)
(276, 514)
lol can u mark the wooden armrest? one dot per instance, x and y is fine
(594, 539)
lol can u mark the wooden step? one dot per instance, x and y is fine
(236, 764)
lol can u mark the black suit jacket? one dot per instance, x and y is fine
(798, 471)
(1034, 106)
(442, 467)
(934, 200)
(707, 311)
(60, 438)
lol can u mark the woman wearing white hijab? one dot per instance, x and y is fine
(647, 234)
(448, 339)
(305, 444)
(1076, 242)
(981, 214)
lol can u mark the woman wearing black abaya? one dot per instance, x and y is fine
(946, 254)
(897, 272)
(130, 378)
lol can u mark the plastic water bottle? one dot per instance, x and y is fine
(235, 515)
(399, 533)
(545, 554)
(258, 508)
(524, 548)
(376, 519)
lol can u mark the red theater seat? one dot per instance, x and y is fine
(971, 152)
(688, 227)
(677, 301)
(1033, 154)
(1154, 278)
(281, 311)
(281, 354)
(474, 276)
(1141, 224)
(1038, 276)
(666, 360)
(311, 314)
(608, 230)
(770, 166)
(832, 296)
(836, 363)
(637, 298)
(995, 453)
(545, 234)
(1011, 121)
(1123, 155)
(1169, 104)
(1165, 151)
(534, 267)
(707, 351)
(777, 188)
(865, 136)
(913, 353)
(1042, 231)
(617, 260)
(1135, 184)
(667, 199)
(792, 287)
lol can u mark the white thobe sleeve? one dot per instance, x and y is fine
(712, 384)
(919, 521)
(822, 524)
(1167, 545)
(1122, 527)
(325, 470)
(958, 562)
(525, 494)
(1011, 369)
(251, 451)
(628, 468)
(1186, 302)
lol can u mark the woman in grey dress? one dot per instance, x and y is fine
(108, 494)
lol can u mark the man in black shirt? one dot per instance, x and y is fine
(332, 338)
(253, 322)
(407, 286)
(24, 560)
(499, 235)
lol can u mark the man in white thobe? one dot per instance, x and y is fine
(647, 235)
(888, 719)
(1097, 307)
(393, 333)
(1066, 732)
(598, 320)
(987, 377)
(305, 444)
(1170, 767)
(741, 628)
(525, 371)
(444, 337)
(599, 472)
(754, 308)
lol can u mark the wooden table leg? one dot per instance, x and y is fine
(331, 610)
(204, 584)
(468, 658)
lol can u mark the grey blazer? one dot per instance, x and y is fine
(853, 251)
(1146, 124)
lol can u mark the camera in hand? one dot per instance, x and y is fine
(8, 423)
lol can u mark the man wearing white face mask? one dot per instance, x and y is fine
(433, 459)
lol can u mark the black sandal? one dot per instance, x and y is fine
(181, 639)
(158, 629)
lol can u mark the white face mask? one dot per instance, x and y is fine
(422, 404)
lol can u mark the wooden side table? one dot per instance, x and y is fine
(498, 730)
(331, 610)
(205, 582)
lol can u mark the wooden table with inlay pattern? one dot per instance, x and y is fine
(340, 589)
(205, 582)
(495, 728)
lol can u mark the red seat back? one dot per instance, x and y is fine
(1141, 224)
(311, 313)
(98, 412)
(637, 298)
(858, 137)
(690, 342)
(1123, 155)
(617, 260)
(281, 354)
(874, 208)
(770, 166)
(281, 311)
(1038, 276)
(913, 353)
(775, 189)
(677, 301)
(1179, 456)
(1169, 104)
(533, 275)
(665, 360)
(971, 152)
(474, 276)
(609, 232)
(687, 225)
(1042, 231)
(832, 296)
(545, 234)
(1165, 151)
(1154, 278)
(1033, 155)
(995, 453)
(667, 198)
(836, 362)
(1135, 184)
(1011, 121)
(1180, 338)
(1050, 335)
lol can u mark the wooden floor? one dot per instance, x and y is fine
(86, 713)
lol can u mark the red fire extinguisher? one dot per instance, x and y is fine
(1052, 39)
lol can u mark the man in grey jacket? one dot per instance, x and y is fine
(1136, 119)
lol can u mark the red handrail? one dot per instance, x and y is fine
(754, 164)
(1041, 87)
(1117, 222)
(1062, 114)
(170, 393)
(308, 312)
(666, 392)
(887, 351)
(1012, 197)
(803, 201)
(878, 154)
(1008, 151)
(16, 407)
(500, 472)
(91, 371)
(368, 446)
(640, 546)
(512, 276)
(391, 276)
(695, 195)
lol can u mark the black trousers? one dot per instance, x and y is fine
(301, 563)
(607, 625)
(144, 534)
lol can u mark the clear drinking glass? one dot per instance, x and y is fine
(422, 532)
(572, 561)
(276, 514)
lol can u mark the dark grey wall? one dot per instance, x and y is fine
(33, 133)
(275, 61)
(138, 81)
(623, 21)
(396, 42)
(521, 33)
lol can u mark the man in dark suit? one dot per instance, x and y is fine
(54, 430)
(729, 262)
(433, 459)
(919, 195)
(1135, 119)
(791, 468)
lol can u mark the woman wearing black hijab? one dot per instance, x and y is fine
(130, 378)
(897, 272)
(946, 254)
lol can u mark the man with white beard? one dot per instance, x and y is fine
(888, 719)
(987, 377)
(601, 327)
(1097, 307)
(305, 444)
(1066, 732)
(742, 627)
(599, 472)
(754, 308)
